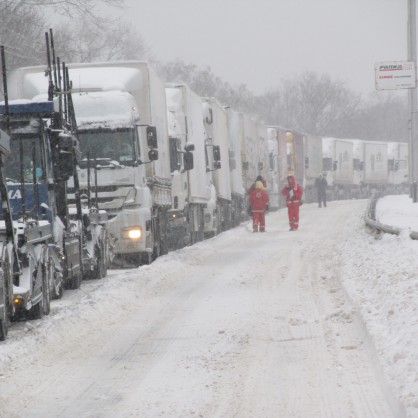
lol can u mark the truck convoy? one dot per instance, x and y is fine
(119, 167)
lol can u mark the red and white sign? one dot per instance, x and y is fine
(393, 75)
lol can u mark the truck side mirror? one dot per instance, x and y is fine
(209, 117)
(216, 153)
(153, 154)
(152, 137)
(188, 161)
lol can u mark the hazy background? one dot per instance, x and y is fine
(257, 42)
(307, 65)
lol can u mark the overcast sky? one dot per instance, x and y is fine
(259, 42)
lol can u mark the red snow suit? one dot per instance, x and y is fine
(259, 199)
(293, 192)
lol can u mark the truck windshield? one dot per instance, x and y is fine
(116, 145)
(28, 147)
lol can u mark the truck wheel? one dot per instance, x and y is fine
(46, 291)
(37, 311)
(3, 329)
(76, 281)
(56, 282)
(97, 272)
(146, 258)
(104, 259)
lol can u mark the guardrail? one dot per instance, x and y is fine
(370, 220)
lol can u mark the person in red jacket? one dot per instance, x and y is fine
(293, 192)
(259, 200)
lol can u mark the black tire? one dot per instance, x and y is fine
(146, 258)
(3, 329)
(104, 259)
(37, 311)
(46, 291)
(56, 292)
(97, 272)
(44, 306)
(76, 281)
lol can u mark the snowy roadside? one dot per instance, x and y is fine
(380, 277)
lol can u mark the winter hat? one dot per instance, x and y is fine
(259, 185)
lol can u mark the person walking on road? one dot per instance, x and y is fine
(259, 200)
(321, 187)
(293, 192)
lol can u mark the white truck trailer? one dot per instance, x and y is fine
(216, 125)
(375, 165)
(251, 151)
(191, 181)
(238, 193)
(273, 147)
(398, 175)
(280, 135)
(338, 166)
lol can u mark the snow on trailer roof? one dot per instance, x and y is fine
(29, 82)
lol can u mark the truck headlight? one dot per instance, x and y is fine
(133, 233)
(18, 300)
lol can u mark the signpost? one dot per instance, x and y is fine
(394, 75)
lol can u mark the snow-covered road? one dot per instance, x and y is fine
(242, 325)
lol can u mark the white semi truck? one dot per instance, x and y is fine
(122, 124)
(121, 114)
(191, 182)
(216, 126)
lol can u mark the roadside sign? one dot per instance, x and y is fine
(394, 75)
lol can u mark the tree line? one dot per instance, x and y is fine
(313, 103)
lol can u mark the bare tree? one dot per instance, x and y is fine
(21, 33)
(317, 104)
(384, 118)
(65, 7)
(86, 41)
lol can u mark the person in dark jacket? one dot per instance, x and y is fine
(259, 200)
(321, 187)
(293, 192)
